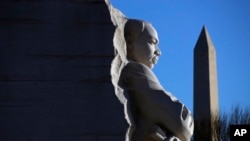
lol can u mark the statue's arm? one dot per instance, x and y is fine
(171, 114)
(155, 103)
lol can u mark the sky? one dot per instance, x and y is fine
(179, 23)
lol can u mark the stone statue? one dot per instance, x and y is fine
(152, 113)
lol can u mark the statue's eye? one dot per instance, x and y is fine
(154, 41)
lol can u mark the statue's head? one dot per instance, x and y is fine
(142, 42)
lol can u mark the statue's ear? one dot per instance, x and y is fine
(129, 41)
(129, 46)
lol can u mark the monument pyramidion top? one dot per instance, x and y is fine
(204, 41)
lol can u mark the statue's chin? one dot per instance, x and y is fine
(151, 65)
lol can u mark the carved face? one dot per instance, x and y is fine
(144, 49)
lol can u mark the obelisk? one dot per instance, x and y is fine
(205, 88)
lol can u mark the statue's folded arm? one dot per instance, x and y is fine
(153, 103)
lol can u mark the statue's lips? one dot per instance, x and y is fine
(155, 59)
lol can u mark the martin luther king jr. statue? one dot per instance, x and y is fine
(153, 114)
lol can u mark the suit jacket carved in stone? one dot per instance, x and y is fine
(152, 106)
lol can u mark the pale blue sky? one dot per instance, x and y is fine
(179, 23)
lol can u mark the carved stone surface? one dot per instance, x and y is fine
(55, 60)
(152, 113)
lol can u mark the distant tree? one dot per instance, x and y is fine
(221, 124)
(237, 116)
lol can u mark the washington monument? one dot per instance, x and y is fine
(205, 88)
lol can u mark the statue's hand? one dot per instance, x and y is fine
(158, 134)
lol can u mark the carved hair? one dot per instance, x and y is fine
(132, 29)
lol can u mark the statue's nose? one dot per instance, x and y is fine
(158, 52)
